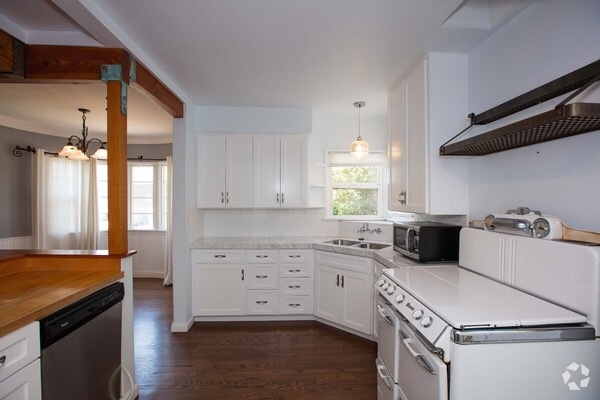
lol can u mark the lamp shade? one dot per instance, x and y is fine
(80, 155)
(68, 150)
(359, 149)
(101, 154)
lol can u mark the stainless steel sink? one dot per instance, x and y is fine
(342, 242)
(371, 246)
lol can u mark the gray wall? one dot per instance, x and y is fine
(15, 175)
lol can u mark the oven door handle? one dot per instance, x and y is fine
(384, 378)
(387, 318)
(418, 357)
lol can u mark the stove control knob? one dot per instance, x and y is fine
(391, 289)
(418, 314)
(381, 282)
(426, 322)
(400, 298)
(385, 286)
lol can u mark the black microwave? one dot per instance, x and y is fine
(427, 241)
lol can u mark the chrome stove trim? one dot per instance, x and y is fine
(523, 335)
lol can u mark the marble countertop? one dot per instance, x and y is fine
(387, 256)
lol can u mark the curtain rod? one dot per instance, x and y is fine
(18, 151)
(142, 158)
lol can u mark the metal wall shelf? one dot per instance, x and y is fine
(562, 121)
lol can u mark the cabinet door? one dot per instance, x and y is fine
(294, 171)
(398, 143)
(416, 114)
(218, 289)
(327, 296)
(357, 297)
(210, 171)
(239, 171)
(267, 171)
(25, 384)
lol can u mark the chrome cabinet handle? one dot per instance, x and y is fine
(261, 302)
(282, 199)
(262, 276)
(222, 197)
(220, 256)
(294, 305)
(2, 361)
(277, 198)
(227, 197)
(337, 280)
(242, 274)
(342, 280)
(402, 197)
(294, 256)
(293, 271)
(294, 286)
(261, 256)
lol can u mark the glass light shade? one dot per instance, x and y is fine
(101, 154)
(359, 149)
(68, 150)
(79, 156)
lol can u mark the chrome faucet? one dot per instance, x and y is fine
(365, 228)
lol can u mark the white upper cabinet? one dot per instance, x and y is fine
(224, 171)
(280, 171)
(425, 110)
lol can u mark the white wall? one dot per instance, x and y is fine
(562, 177)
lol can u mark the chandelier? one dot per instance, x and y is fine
(359, 149)
(77, 147)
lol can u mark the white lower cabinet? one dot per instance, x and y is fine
(251, 282)
(343, 290)
(218, 280)
(20, 373)
(295, 281)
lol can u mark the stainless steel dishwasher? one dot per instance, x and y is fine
(81, 348)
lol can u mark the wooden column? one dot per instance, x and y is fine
(117, 170)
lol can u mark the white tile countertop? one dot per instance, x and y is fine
(388, 257)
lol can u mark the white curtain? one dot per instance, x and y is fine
(169, 234)
(62, 209)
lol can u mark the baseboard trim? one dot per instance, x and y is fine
(182, 327)
(148, 274)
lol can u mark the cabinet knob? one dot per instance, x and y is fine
(2, 360)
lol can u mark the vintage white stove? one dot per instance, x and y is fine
(518, 319)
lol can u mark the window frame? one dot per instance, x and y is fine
(380, 186)
(157, 194)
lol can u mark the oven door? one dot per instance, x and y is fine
(388, 341)
(387, 389)
(423, 375)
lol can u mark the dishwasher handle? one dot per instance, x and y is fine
(62, 322)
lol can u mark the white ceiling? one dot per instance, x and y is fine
(321, 54)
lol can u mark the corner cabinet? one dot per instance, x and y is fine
(224, 171)
(428, 105)
(343, 290)
(280, 171)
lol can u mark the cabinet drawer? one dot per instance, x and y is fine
(26, 384)
(261, 277)
(261, 256)
(262, 302)
(19, 348)
(344, 261)
(295, 305)
(294, 270)
(218, 256)
(295, 286)
(295, 256)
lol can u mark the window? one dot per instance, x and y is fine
(355, 186)
(147, 195)
(102, 188)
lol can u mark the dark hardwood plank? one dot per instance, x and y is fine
(300, 360)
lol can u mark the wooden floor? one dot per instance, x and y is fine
(245, 360)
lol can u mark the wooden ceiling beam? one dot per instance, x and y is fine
(77, 64)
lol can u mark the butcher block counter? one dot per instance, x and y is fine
(36, 283)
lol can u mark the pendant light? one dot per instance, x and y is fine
(359, 149)
(77, 147)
